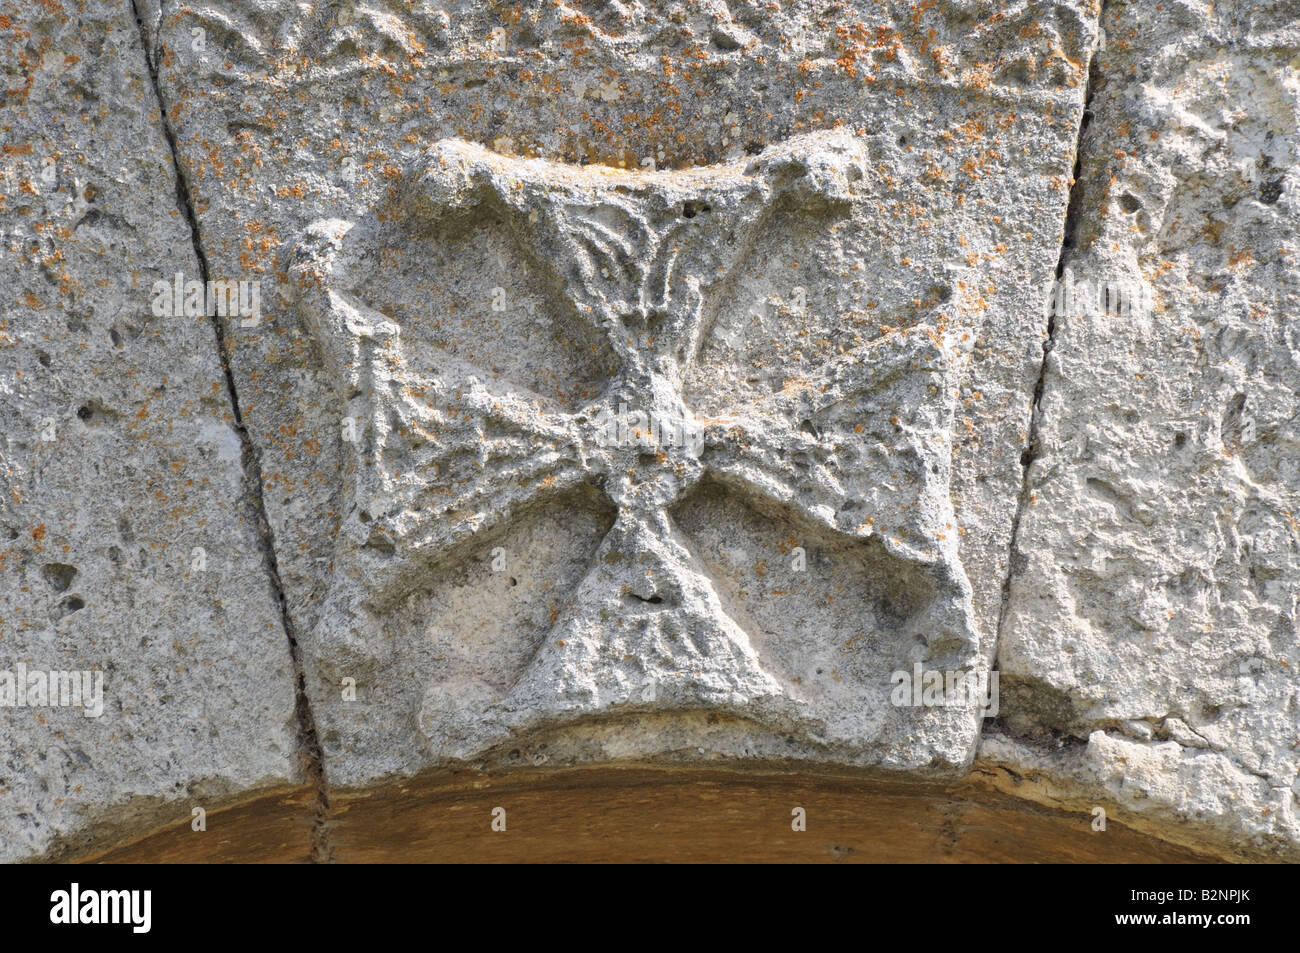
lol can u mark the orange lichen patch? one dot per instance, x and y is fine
(1240, 256)
(935, 172)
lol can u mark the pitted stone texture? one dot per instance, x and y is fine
(965, 115)
(1154, 605)
(99, 523)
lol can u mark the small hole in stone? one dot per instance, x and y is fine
(514, 581)
(43, 358)
(1130, 202)
(74, 603)
(116, 338)
(1180, 441)
(93, 413)
(1270, 192)
(59, 575)
(725, 40)
(693, 208)
(380, 542)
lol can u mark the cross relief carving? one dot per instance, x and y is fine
(442, 451)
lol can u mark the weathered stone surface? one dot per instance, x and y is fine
(1153, 610)
(635, 388)
(127, 543)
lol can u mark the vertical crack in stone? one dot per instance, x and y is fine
(1073, 210)
(308, 739)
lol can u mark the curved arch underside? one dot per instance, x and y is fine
(641, 814)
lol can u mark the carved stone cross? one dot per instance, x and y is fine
(445, 451)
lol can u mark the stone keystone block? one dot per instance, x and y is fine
(450, 455)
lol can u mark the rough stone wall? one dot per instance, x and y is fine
(645, 384)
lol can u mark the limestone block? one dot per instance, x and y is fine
(128, 548)
(1152, 620)
(813, 246)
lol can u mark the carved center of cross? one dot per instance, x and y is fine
(644, 442)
